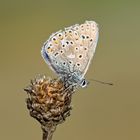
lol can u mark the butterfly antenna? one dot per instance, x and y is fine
(102, 82)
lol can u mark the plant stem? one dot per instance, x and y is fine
(47, 135)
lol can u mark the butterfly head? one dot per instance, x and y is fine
(83, 83)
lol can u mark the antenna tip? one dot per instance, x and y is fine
(111, 84)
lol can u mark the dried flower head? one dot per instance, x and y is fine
(49, 102)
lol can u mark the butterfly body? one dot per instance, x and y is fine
(69, 53)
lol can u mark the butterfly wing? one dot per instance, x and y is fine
(72, 49)
(87, 42)
(54, 53)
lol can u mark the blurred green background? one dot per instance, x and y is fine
(100, 112)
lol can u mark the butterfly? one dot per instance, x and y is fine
(69, 52)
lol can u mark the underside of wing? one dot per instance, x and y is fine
(72, 49)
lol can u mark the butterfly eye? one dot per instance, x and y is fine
(84, 83)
